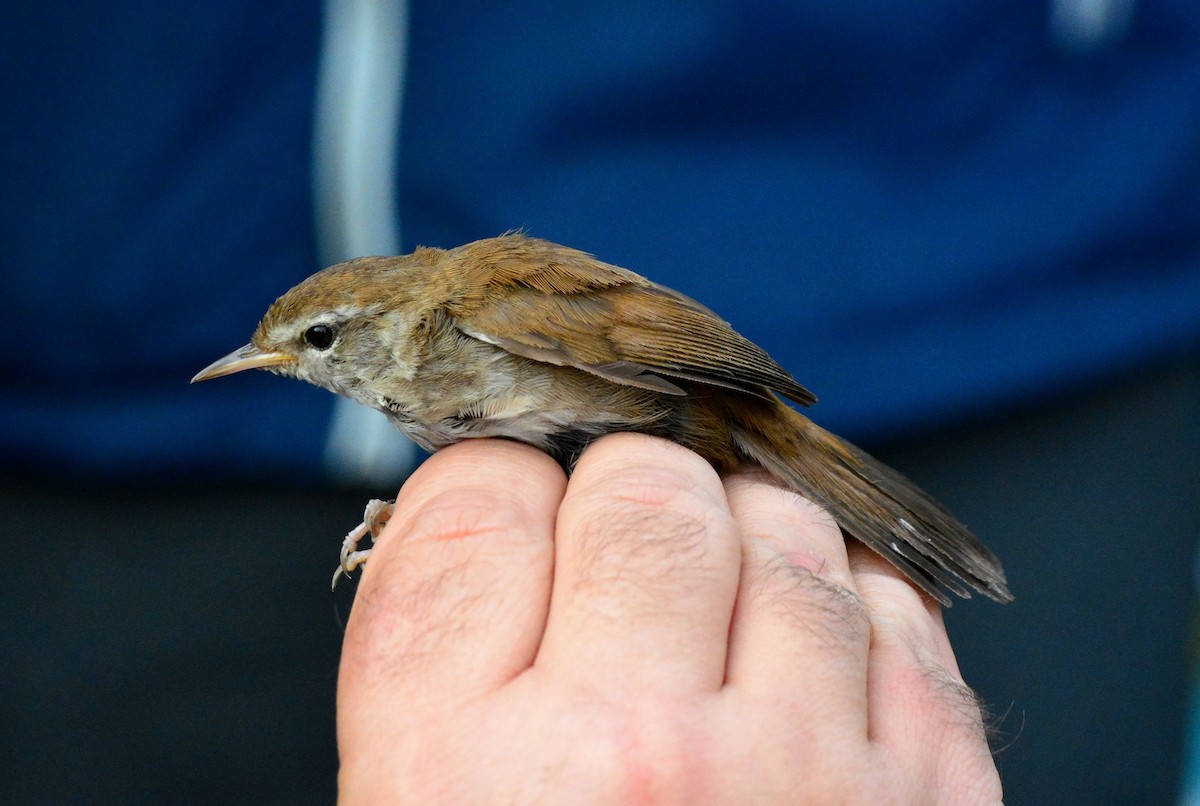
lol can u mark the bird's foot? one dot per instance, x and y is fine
(375, 517)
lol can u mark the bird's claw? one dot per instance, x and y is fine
(375, 517)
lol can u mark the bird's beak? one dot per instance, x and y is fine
(248, 357)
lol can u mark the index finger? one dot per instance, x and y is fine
(454, 598)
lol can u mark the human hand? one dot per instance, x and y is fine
(645, 633)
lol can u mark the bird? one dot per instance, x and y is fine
(521, 338)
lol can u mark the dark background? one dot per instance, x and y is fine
(972, 230)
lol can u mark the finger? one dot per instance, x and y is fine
(646, 569)
(454, 598)
(921, 712)
(798, 616)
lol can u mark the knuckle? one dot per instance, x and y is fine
(460, 515)
(834, 614)
(801, 513)
(954, 696)
(644, 547)
(644, 524)
(651, 486)
(433, 578)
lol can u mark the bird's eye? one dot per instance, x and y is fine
(319, 336)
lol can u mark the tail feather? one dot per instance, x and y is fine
(879, 507)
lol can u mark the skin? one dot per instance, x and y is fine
(646, 633)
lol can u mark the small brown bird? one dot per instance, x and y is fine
(521, 338)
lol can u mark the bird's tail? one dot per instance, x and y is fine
(875, 504)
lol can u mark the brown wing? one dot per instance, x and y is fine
(549, 303)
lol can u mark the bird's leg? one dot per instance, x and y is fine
(375, 517)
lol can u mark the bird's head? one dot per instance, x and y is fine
(335, 330)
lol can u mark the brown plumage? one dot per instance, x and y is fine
(521, 338)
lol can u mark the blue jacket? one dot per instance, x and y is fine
(925, 211)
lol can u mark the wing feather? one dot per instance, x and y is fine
(549, 303)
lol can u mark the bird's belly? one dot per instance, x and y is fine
(560, 431)
(557, 409)
(547, 430)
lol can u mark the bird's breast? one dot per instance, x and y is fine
(479, 390)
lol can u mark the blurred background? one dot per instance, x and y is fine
(973, 229)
